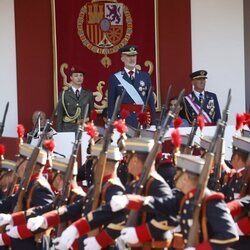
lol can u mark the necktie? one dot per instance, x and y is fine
(131, 75)
(77, 93)
(200, 97)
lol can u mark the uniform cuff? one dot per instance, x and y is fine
(82, 226)
(143, 233)
(52, 218)
(244, 225)
(234, 207)
(135, 202)
(104, 239)
(24, 232)
(18, 218)
(6, 239)
(205, 245)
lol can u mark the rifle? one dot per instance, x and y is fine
(33, 131)
(189, 147)
(63, 199)
(102, 159)
(143, 109)
(164, 107)
(23, 187)
(193, 235)
(163, 112)
(69, 172)
(4, 118)
(132, 218)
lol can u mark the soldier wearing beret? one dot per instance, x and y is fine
(73, 102)
(193, 101)
(136, 83)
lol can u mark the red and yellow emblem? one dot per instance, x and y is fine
(104, 27)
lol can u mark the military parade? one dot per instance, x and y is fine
(141, 191)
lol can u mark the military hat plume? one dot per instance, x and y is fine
(199, 74)
(129, 50)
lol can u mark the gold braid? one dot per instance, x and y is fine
(69, 118)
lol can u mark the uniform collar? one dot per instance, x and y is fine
(74, 89)
(198, 93)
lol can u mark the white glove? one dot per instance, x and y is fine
(67, 238)
(13, 232)
(37, 222)
(118, 202)
(129, 235)
(91, 244)
(189, 248)
(5, 219)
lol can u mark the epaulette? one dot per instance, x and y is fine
(78, 191)
(117, 182)
(215, 196)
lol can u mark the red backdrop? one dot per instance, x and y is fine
(34, 51)
(70, 48)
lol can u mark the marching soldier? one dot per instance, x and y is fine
(38, 193)
(217, 227)
(111, 186)
(72, 103)
(137, 84)
(7, 169)
(233, 182)
(192, 102)
(19, 230)
(138, 149)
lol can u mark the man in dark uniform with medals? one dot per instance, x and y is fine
(193, 101)
(137, 84)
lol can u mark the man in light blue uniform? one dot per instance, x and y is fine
(137, 84)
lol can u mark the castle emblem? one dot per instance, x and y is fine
(104, 27)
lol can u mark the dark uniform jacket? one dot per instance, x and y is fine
(215, 218)
(141, 83)
(210, 107)
(114, 222)
(39, 193)
(67, 108)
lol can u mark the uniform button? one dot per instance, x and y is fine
(77, 104)
(87, 200)
(184, 221)
(185, 241)
(187, 201)
(185, 231)
(236, 181)
(232, 189)
(185, 211)
(133, 112)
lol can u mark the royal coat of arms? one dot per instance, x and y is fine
(104, 27)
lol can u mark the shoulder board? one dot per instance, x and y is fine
(215, 196)
(117, 182)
